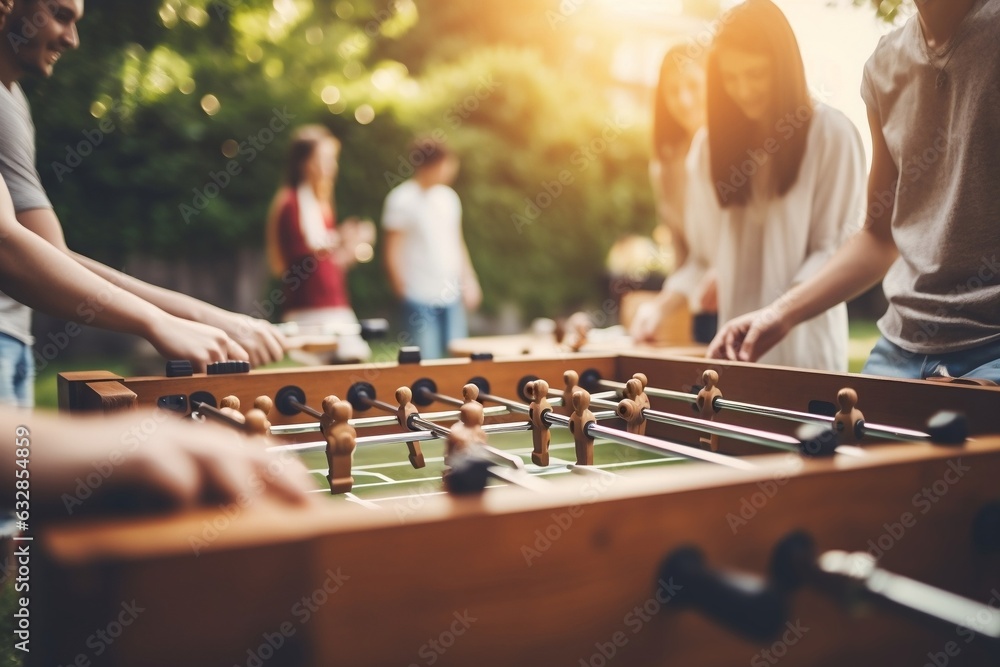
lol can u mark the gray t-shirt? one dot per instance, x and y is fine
(940, 114)
(17, 166)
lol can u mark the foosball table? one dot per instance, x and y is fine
(580, 510)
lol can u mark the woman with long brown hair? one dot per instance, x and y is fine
(307, 251)
(678, 115)
(775, 184)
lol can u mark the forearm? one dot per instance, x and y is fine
(856, 267)
(41, 276)
(179, 305)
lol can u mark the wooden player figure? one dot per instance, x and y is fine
(230, 406)
(571, 382)
(341, 441)
(635, 420)
(706, 405)
(326, 421)
(265, 405)
(640, 395)
(538, 391)
(255, 422)
(404, 397)
(849, 423)
(470, 393)
(578, 427)
(468, 431)
(634, 392)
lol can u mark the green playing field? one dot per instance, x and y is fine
(382, 472)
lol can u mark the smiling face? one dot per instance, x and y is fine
(40, 31)
(747, 78)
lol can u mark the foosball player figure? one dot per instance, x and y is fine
(640, 395)
(466, 432)
(706, 405)
(265, 405)
(341, 441)
(538, 392)
(470, 393)
(849, 423)
(571, 382)
(255, 422)
(230, 406)
(404, 397)
(635, 420)
(635, 392)
(578, 427)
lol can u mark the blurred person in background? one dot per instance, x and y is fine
(310, 252)
(678, 114)
(425, 253)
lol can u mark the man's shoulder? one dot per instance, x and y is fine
(893, 44)
(405, 190)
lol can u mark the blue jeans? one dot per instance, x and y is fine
(890, 360)
(432, 326)
(17, 373)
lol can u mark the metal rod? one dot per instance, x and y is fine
(215, 413)
(663, 447)
(393, 438)
(510, 460)
(364, 422)
(753, 435)
(652, 391)
(373, 403)
(363, 441)
(633, 439)
(520, 478)
(302, 407)
(441, 398)
(879, 584)
(513, 406)
(874, 430)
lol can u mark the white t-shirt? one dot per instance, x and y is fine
(763, 249)
(431, 223)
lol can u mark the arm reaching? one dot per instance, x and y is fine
(249, 338)
(37, 274)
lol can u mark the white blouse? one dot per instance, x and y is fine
(761, 250)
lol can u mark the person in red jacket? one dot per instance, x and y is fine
(309, 252)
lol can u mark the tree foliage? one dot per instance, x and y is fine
(146, 134)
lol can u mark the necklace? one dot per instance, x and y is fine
(950, 48)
